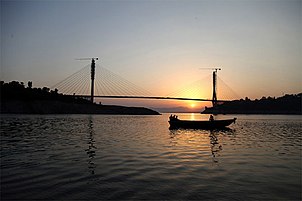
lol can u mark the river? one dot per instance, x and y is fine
(108, 157)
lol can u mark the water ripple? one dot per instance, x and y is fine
(94, 157)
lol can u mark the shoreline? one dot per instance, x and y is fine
(60, 107)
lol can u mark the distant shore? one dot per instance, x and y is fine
(59, 107)
(287, 104)
(18, 99)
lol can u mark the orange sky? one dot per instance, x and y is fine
(157, 45)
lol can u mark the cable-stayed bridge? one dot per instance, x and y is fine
(95, 81)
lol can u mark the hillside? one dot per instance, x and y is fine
(287, 104)
(18, 99)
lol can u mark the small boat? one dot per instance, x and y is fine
(176, 123)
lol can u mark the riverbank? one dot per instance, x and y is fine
(18, 99)
(287, 104)
(60, 107)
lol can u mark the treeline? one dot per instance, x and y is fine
(16, 98)
(15, 90)
(287, 104)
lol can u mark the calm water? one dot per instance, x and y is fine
(97, 157)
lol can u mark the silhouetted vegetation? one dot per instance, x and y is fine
(287, 104)
(16, 98)
(18, 91)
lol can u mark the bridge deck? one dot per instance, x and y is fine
(152, 97)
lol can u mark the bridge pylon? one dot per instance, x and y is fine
(92, 75)
(92, 79)
(214, 97)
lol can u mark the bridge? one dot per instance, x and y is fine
(106, 84)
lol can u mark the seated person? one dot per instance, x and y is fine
(211, 118)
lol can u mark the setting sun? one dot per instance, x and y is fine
(192, 105)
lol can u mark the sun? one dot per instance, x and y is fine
(192, 105)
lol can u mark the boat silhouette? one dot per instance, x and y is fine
(176, 123)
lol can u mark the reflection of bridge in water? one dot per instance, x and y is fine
(106, 84)
(91, 150)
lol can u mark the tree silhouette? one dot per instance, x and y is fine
(17, 91)
(288, 104)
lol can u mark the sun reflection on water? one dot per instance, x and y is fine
(192, 116)
(202, 143)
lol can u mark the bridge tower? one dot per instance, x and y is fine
(92, 79)
(214, 97)
(92, 75)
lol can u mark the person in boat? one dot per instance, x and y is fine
(173, 117)
(211, 118)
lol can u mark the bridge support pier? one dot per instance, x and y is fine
(214, 98)
(92, 79)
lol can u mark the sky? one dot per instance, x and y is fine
(158, 45)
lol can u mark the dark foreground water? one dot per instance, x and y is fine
(97, 157)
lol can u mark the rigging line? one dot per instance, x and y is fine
(107, 90)
(126, 81)
(83, 85)
(101, 83)
(98, 88)
(199, 82)
(69, 77)
(189, 91)
(69, 85)
(185, 90)
(77, 78)
(71, 89)
(81, 88)
(198, 92)
(115, 88)
(119, 86)
(194, 92)
(225, 95)
(66, 85)
(77, 83)
(109, 82)
(72, 84)
(129, 88)
(229, 88)
(180, 93)
(86, 89)
(87, 85)
(105, 84)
